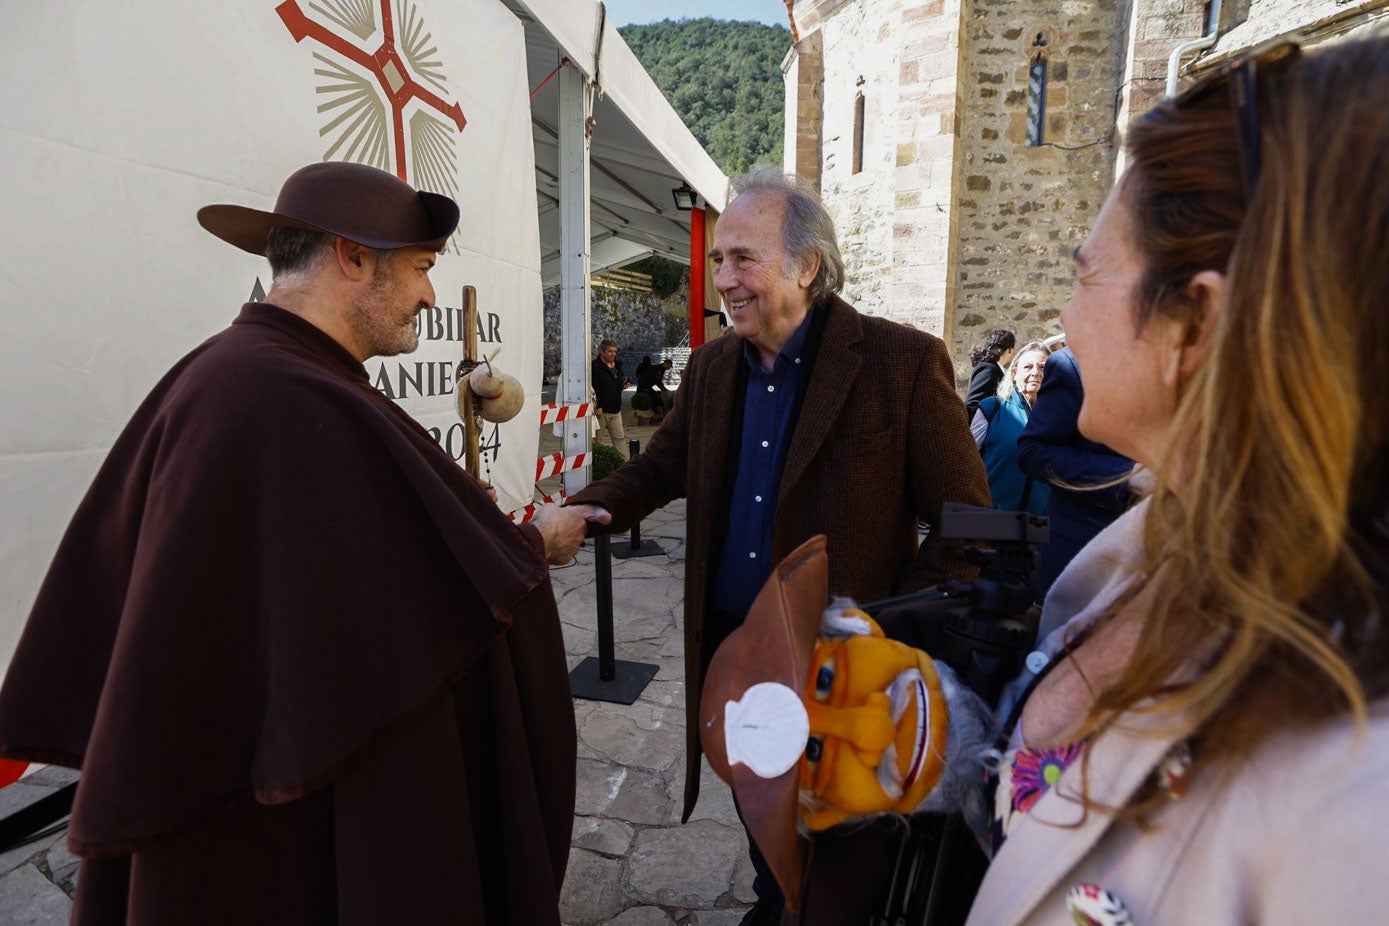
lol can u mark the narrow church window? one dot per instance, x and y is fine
(1037, 92)
(858, 133)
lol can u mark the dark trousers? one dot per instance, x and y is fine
(719, 624)
(764, 883)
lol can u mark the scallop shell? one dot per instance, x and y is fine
(767, 730)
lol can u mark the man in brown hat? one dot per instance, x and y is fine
(286, 638)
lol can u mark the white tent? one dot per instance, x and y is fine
(640, 150)
(120, 121)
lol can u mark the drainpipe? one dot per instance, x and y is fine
(1174, 62)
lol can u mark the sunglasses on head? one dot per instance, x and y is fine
(1239, 76)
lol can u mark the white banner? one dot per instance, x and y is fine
(120, 120)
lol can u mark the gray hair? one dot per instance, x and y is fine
(605, 344)
(807, 229)
(294, 252)
(1007, 386)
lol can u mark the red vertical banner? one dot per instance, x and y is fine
(696, 276)
(10, 770)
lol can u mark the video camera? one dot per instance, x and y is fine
(981, 629)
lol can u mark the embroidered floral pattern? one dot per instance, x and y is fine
(1024, 776)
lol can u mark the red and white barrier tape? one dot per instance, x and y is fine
(553, 413)
(522, 515)
(556, 463)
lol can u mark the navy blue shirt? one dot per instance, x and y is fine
(745, 557)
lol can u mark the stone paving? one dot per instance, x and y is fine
(632, 862)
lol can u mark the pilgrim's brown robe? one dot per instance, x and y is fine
(308, 670)
(880, 442)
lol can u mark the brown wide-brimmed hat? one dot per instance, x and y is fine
(352, 201)
(775, 644)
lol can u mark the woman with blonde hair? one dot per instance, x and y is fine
(999, 420)
(1209, 740)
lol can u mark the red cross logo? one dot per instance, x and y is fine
(358, 123)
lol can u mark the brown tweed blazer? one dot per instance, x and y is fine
(880, 442)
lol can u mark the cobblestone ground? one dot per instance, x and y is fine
(632, 862)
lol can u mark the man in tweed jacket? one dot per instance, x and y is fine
(808, 418)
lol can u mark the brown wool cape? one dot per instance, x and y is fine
(309, 672)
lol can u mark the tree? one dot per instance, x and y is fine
(724, 80)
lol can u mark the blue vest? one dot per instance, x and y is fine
(1000, 452)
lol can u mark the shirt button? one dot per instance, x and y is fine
(757, 498)
(798, 359)
(765, 444)
(752, 555)
(1037, 661)
(771, 389)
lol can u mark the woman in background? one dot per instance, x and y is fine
(990, 360)
(996, 425)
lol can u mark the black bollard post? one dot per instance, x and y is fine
(638, 547)
(603, 576)
(606, 678)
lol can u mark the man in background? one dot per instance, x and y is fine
(608, 382)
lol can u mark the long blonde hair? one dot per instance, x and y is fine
(1274, 556)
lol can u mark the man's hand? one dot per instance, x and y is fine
(563, 529)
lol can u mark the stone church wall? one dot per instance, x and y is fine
(1023, 209)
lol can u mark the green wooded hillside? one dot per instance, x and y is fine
(724, 79)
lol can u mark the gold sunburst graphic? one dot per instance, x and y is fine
(356, 16)
(366, 91)
(358, 123)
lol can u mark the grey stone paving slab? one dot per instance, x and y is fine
(579, 641)
(63, 865)
(19, 855)
(689, 866)
(606, 837)
(665, 692)
(22, 794)
(715, 798)
(618, 737)
(54, 776)
(592, 889)
(631, 795)
(646, 605)
(742, 878)
(719, 917)
(641, 916)
(597, 786)
(27, 898)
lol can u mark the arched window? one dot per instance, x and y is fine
(858, 132)
(1037, 91)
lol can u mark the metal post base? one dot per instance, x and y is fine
(622, 550)
(626, 685)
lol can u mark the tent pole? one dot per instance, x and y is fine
(696, 275)
(575, 294)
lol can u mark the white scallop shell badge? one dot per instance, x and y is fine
(767, 730)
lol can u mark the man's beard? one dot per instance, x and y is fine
(378, 321)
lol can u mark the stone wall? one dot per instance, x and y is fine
(861, 203)
(895, 218)
(928, 165)
(803, 73)
(639, 322)
(1023, 209)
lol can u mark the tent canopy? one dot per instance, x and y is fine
(640, 149)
